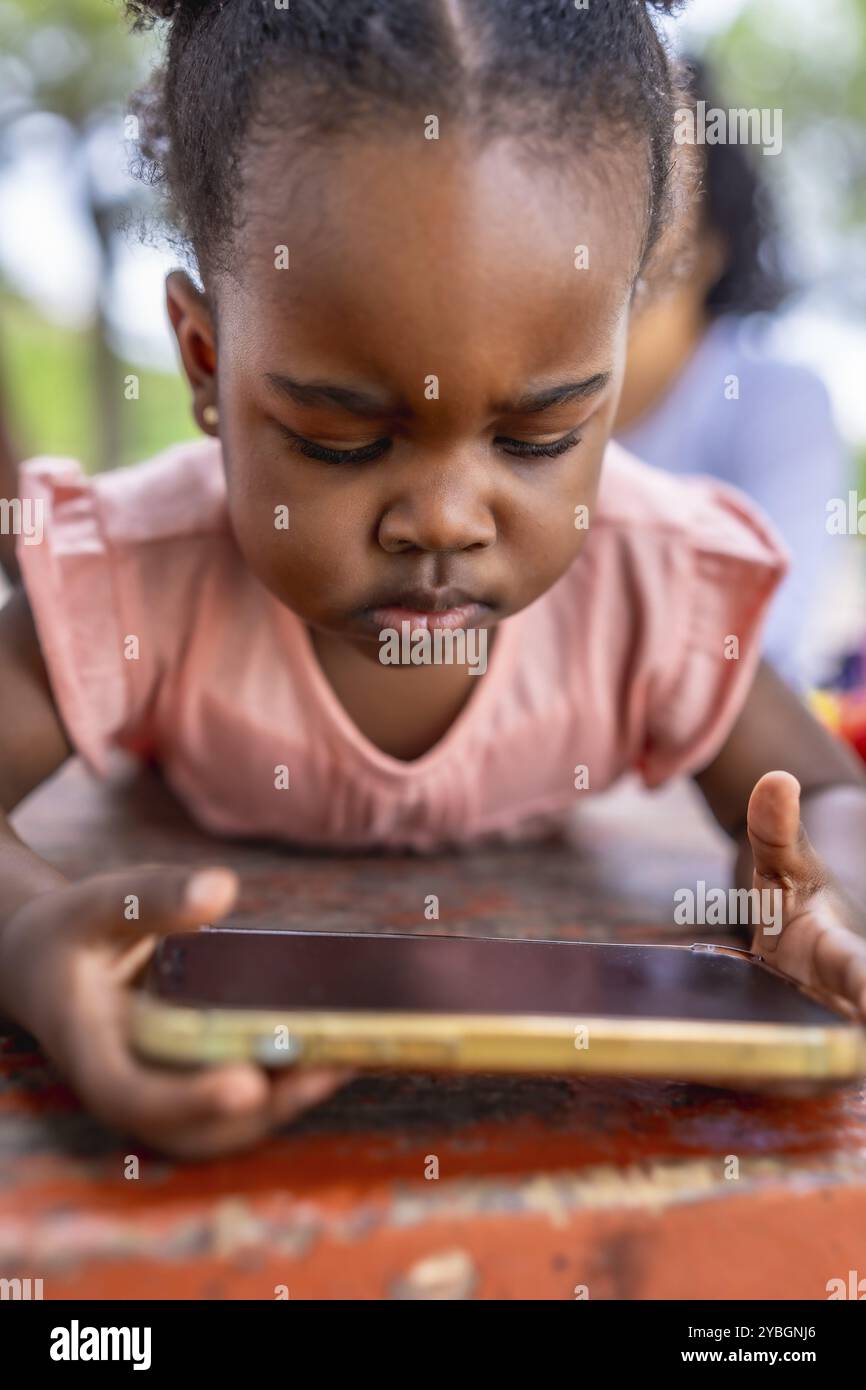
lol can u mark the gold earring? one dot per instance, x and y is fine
(210, 416)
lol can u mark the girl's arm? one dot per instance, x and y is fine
(807, 841)
(33, 745)
(68, 954)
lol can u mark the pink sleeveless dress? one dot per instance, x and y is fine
(160, 644)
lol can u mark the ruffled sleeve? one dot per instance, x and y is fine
(721, 571)
(96, 654)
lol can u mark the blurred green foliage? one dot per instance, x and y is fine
(46, 372)
(75, 60)
(809, 60)
(70, 57)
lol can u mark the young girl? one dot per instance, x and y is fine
(419, 228)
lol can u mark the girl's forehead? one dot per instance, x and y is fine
(434, 253)
(434, 207)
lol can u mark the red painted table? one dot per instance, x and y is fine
(545, 1186)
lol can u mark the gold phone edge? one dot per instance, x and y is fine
(677, 1049)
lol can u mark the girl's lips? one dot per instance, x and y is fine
(464, 615)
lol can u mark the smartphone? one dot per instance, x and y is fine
(703, 1013)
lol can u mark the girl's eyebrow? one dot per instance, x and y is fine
(313, 393)
(537, 401)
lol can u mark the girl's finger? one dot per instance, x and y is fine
(839, 963)
(782, 853)
(226, 1130)
(294, 1092)
(290, 1095)
(156, 1103)
(148, 900)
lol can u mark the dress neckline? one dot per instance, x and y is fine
(326, 700)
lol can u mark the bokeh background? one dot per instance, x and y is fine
(82, 260)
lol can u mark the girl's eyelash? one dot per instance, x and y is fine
(517, 448)
(325, 455)
(522, 449)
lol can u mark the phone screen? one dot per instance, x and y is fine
(227, 968)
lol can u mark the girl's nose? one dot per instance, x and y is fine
(438, 521)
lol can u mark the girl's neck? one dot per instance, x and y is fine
(403, 710)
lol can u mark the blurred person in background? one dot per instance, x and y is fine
(775, 439)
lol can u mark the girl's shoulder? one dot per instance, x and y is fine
(656, 510)
(176, 495)
(679, 572)
(114, 568)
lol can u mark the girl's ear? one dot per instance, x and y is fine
(193, 325)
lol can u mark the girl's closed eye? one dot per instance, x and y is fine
(310, 449)
(522, 448)
(517, 448)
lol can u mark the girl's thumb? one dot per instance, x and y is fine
(144, 900)
(211, 892)
(780, 845)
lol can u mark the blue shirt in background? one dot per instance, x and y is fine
(776, 442)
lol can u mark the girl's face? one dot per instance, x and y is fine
(420, 363)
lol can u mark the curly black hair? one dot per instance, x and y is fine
(550, 68)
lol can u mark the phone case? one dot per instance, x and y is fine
(699, 1013)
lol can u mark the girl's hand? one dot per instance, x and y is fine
(67, 958)
(822, 942)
